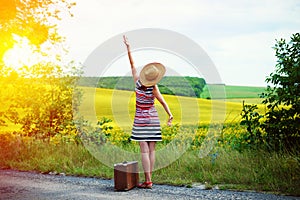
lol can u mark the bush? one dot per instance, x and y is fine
(282, 99)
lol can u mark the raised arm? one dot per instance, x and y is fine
(133, 69)
(161, 99)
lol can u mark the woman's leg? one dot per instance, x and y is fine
(151, 156)
(146, 160)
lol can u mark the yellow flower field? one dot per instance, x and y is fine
(119, 106)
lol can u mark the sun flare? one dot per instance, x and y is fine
(22, 54)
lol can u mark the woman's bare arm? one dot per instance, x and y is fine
(133, 69)
(161, 99)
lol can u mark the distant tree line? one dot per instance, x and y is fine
(173, 85)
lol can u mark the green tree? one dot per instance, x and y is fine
(32, 19)
(42, 102)
(282, 97)
(39, 98)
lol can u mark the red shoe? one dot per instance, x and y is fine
(145, 185)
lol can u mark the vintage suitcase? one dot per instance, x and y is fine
(126, 175)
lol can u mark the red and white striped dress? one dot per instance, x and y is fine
(146, 125)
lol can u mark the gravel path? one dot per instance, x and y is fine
(17, 185)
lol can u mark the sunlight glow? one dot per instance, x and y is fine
(22, 54)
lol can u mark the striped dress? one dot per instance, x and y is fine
(146, 125)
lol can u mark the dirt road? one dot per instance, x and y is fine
(18, 185)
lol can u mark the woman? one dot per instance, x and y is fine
(146, 127)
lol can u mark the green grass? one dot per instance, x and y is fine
(247, 170)
(231, 92)
(243, 91)
(44, 157)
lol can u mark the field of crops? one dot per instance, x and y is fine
(118, 105)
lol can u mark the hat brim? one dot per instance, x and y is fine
(161, 69)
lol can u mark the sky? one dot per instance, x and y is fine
(237, 35)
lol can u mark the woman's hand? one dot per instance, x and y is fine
(126, 41)
(170, 120)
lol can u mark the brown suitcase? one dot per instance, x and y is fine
(126, 175)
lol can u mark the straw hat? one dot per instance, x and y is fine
(152, 73)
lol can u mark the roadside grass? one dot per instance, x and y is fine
(248, 170)
(44, 157)
(226, 168)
